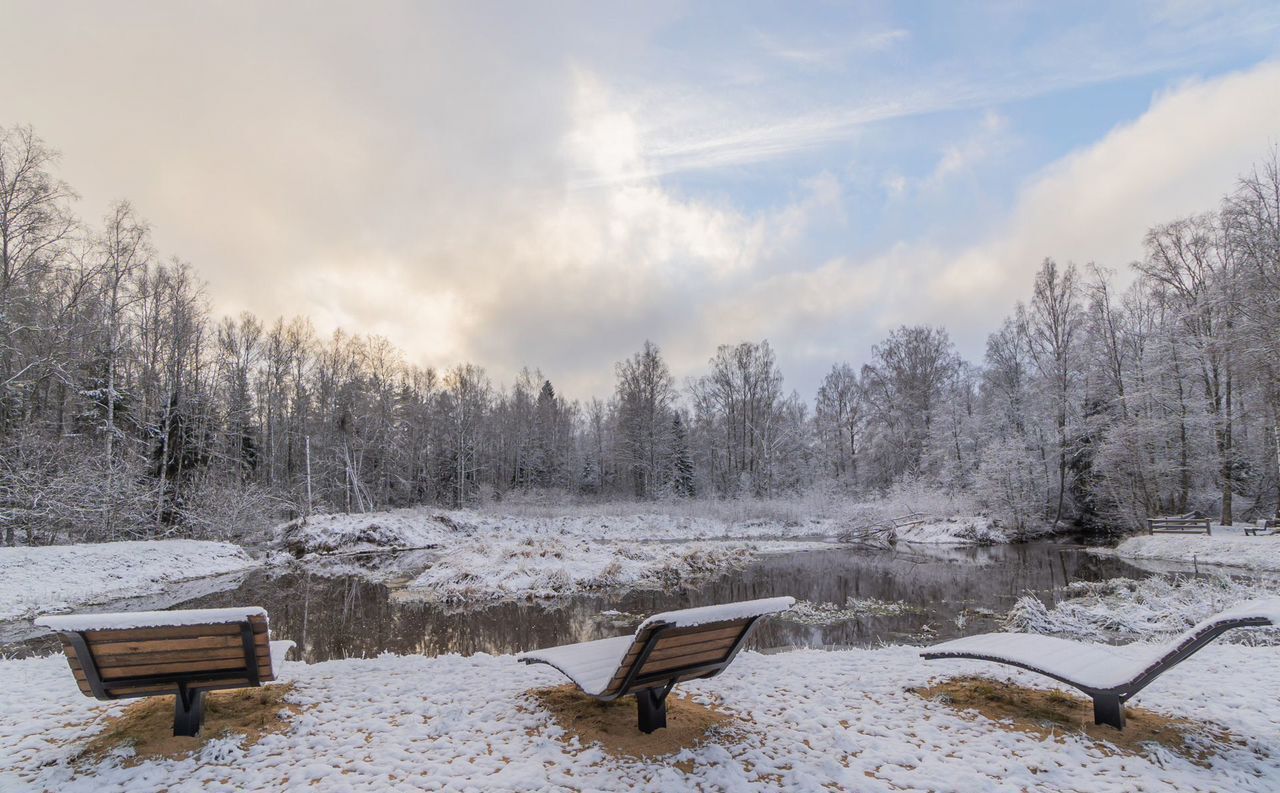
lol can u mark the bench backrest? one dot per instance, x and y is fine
(662, 653)
(135, 662)
(1178, 525)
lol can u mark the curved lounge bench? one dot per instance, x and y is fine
(183, 653)
(1109, 675)
(666, 649)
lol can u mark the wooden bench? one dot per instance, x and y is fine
(1178, 525)
(183, 653)
(1111, 676)
(666, 649)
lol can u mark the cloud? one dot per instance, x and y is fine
(834, 55)
(489, 183)
(1095, 204)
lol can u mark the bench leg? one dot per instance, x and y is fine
(1108, 709)
(188, 711)
(651, 703)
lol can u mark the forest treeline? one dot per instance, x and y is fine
(128, 410)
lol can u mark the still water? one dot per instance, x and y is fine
(950, 591)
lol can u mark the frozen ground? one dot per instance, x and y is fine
(1226, 546)
(62, 577)
(806, 720)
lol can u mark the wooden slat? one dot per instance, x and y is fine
(105, 649)
(685, 660)
(168, 632)
(666, 651)
(123, 661)
(196, 667)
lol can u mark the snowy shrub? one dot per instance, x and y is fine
(1157, 607)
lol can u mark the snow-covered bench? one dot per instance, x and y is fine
(1110, 675)
(184, 653)
(666, 649)
(1264, 527)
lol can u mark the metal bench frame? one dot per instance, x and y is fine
(188, 701)
(1108, 703)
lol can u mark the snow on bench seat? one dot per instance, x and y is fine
(724, 612)
(590, 665)
(1092, 665)
(146, 619)
(1096, 666)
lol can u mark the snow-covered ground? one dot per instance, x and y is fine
(1226, 546)
(415, 527)
(62, 577)
(805, 720)
(954, 531)
(477, 556)
(1151, 608)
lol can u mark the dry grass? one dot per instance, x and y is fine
(1051, 713)
(146, 726)
(613, 724)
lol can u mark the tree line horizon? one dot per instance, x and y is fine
(128, 410)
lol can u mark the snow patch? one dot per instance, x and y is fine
(63, 577)
(1222, 548)
(804, 720)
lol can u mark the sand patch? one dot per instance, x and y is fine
(613, 724)
(1052, 713)
(146, 726)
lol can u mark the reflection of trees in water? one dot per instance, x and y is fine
(347, 616)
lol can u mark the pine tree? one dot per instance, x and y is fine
(681, 460)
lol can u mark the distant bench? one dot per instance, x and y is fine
(183, 653)
(1178, 525)
(1264, 527)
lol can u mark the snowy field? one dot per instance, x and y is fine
(804, 720)
(61, 577)
(1226, 546)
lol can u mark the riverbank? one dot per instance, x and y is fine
(1226, 546)
(802, 720)
(55, 578)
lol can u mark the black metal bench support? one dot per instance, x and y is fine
(1108, 709)
(651, 705)
(188, 711)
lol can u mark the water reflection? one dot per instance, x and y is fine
(347, 616)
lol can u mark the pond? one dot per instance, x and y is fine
(946, 591)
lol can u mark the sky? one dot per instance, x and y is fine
(550, 184)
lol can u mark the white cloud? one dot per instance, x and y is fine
(1095, 204)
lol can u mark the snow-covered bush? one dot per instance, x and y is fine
(1157, 607)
